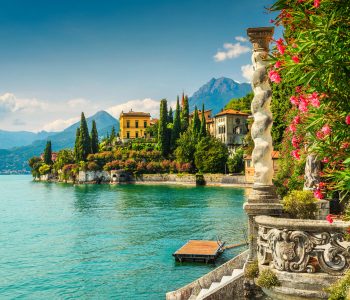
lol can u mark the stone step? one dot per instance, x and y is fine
(225, 279)
(202, 293)
(192, 297)
(214, 285)
(237, 272)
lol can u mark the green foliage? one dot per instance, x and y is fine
(170, 115)
(175, 134)
(196, 123)
(267, 279)
(48, 153)
(300, 205)
(235, 163)
(94, 138)
(76, 145)
(163, 132)
(241, 104)
(35, 163)
(44, 169)
(64, 157)
(186, 147)
(252, 270)
(84, 145)
(185, 113)
(340, 290)
(211, 155)
(112, 136)
(203, 128)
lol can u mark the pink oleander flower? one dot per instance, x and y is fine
(345, 145)
(292, 128)
(317, 3)
(296, 154)
(278, 64)
(274, 76)
(281, 48)
(303, 106)
(298, 89)
(329, 218)
(325, 160)
(322, 185)
(314, 99)
(347, 119)
(296, 120)
(295, 142)
(326, 129)
(295, 59)
(320, 135)
(318, 194)
(279, 41)
(294, 45)
(294, 100)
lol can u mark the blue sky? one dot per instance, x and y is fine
(59, 57)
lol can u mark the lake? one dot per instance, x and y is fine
(60, 241)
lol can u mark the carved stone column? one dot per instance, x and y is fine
(263, 199)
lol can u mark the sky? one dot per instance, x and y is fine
(61, 57)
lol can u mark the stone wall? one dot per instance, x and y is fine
(93, 177)
(206, 280)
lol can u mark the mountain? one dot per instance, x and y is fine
(10, 139)
(15, 160)
(216, 93)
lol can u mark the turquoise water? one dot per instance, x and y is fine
(59, 241)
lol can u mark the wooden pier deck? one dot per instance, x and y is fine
(198, 250)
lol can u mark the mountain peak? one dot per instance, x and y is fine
(216, 93)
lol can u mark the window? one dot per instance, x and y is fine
(127, 124)
(128, 134)
(248, 163)
(137, 124)
(238, 121)
(136, 134)
(145, 124)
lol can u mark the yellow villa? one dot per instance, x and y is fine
(133, 125)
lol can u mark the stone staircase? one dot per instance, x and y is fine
(216, 286)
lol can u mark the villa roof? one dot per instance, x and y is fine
(231, 112)
(199, 111)
(135, 113)
(274, 155)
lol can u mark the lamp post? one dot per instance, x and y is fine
(263, 199)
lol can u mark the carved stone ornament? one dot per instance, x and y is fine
(296, 251)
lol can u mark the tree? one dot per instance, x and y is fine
(163, 132)
(112, 137)
(242, 104)
(35, 163)
(64, 157)
(84, 148)
(48, 153)
(235, 163)
(186, 147)
(175, 133)
(94, 138)
(211, 155)
(196, 123)
(185, 113)
(203, 128)
(76, 145)
(170, 115)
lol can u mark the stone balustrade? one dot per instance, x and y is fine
(309, 246)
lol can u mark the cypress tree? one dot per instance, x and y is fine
(170, 115)
(163, 135)
(112, 137)
(196, 123)
(203, 128)
(185, 116)
(94, 138)
(84, 139)
(177, 126)
(76, 146)
(48, 153)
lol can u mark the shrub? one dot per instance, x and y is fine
(70, 170)
(130, 165)
(267, 279)
(185, 167)
(153, 167)
(300, 204)
(340, 290)
(44, 169)
(114, 165)
(141, 167)
(236, 163)
(92, 166)
(252, 270)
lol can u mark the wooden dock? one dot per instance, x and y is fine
(198, 250)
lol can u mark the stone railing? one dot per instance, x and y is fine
(303, 246)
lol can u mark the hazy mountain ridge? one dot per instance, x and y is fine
(216, 93)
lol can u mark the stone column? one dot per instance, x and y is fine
(263, 199)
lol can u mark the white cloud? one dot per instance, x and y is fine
(241, 39)
(9, 103)
(231, 51)
(146, 105)
(78, 103)
(59, 124)
(247, 72)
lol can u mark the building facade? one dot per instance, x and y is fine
(231, 127)
(133, 125)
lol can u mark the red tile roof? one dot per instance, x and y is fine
(231, 112)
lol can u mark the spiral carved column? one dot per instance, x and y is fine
(263, 199)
